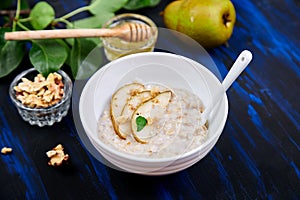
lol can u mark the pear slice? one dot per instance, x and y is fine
(118, 101)
(151, 110)
(130, 106)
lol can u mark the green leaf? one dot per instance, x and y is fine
(24, 5)
(138, 4)
(86, 58)
(42, 14)
(98, 7)
(47, 55)
(70, 41)
(2, 33)
(6, 4)
(11, 54)
(141, 122)
(66, 46)
(95, 21)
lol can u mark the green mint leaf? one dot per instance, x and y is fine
(42, 14)
(141, 122)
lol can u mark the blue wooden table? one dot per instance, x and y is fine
(256, 157)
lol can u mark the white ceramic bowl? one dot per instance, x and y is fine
(152, 67)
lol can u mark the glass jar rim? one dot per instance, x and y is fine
(143, 18)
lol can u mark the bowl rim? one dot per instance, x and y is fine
(67, 88)
(132, 157)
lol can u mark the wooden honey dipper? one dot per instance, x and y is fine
(130, 32)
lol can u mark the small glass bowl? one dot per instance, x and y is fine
(115, 47)
(42, 116)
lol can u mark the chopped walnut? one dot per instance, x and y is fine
(122, 119)
(134, 92)
(155, 91)
(57, 156)
(6, 150)
(149, 120)
(156, 101)
(42, 92)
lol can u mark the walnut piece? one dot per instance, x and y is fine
(57, 156)
(42, 92)
(6, 150)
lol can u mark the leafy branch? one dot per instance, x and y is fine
(43, 54)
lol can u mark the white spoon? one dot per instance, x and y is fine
(239, 65)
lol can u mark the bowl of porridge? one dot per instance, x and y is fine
(142, 112)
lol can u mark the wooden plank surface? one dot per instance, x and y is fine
(256, 157)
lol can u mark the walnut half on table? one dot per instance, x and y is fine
(6, 150)
(57, 156)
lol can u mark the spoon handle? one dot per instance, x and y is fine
(58, 33)
(239, 65)
(130, 32)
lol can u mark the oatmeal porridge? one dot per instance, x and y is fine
(152, 121)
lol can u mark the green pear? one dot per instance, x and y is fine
(209, 22)
(170, 14)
